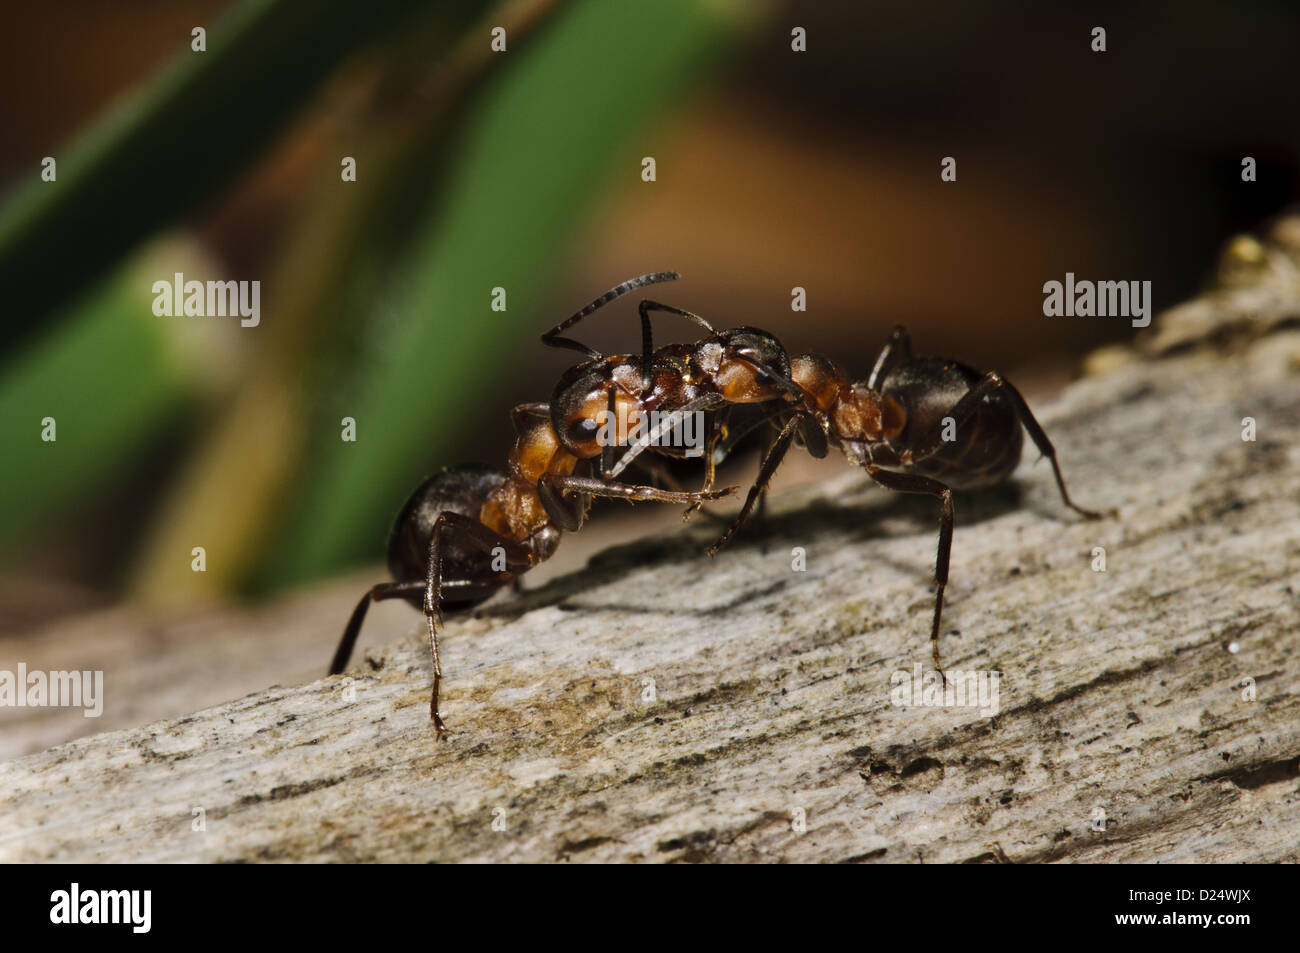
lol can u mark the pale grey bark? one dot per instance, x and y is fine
(1149, 712)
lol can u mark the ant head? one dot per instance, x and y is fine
(748, 366)
(580, 406)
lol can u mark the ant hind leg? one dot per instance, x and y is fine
(964, 408)
(483, 538)
(385, 590)
(897, 350)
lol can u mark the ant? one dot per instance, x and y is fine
(901, 425)
(472, 529)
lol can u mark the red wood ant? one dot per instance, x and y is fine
(470, 530)
(916, 425)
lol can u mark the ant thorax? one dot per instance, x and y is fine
(851, 411)
(514, 509)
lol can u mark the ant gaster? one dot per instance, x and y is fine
(469, 530)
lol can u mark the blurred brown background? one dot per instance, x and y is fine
(775, 169)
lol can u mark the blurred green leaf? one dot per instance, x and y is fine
(190, 131)
(111, 377)
(540, 144)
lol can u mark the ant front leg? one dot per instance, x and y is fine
(964, 408)
(482, 538)
(914, 483)
(716, 438)
(554, 487)
(775, 454)
(663, 477)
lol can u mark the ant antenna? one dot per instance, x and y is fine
(552, 339)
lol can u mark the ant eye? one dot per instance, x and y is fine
(583, 429)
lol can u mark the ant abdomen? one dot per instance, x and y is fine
(984, 450)
(461, 489)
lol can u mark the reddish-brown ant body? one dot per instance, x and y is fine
(470, 530)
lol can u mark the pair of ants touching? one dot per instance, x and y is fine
(444, 551)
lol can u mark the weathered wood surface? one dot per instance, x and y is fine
(1121, 692)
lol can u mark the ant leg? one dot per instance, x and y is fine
(663, 477)
(809, 430)
(385, 590)
(964, 408)
(711, 458)
(1044, 445)
(486, 539)
(555, 486)
(775, 454)
(897, 350)
(914, 483)
(552, 339)
(771, 416)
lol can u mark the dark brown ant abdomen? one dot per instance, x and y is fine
(460, 489)
(985, 449)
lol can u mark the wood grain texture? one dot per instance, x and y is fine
(1122, 693)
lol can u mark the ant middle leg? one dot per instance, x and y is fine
(915, 483)
(966, 407)
(379, 593)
